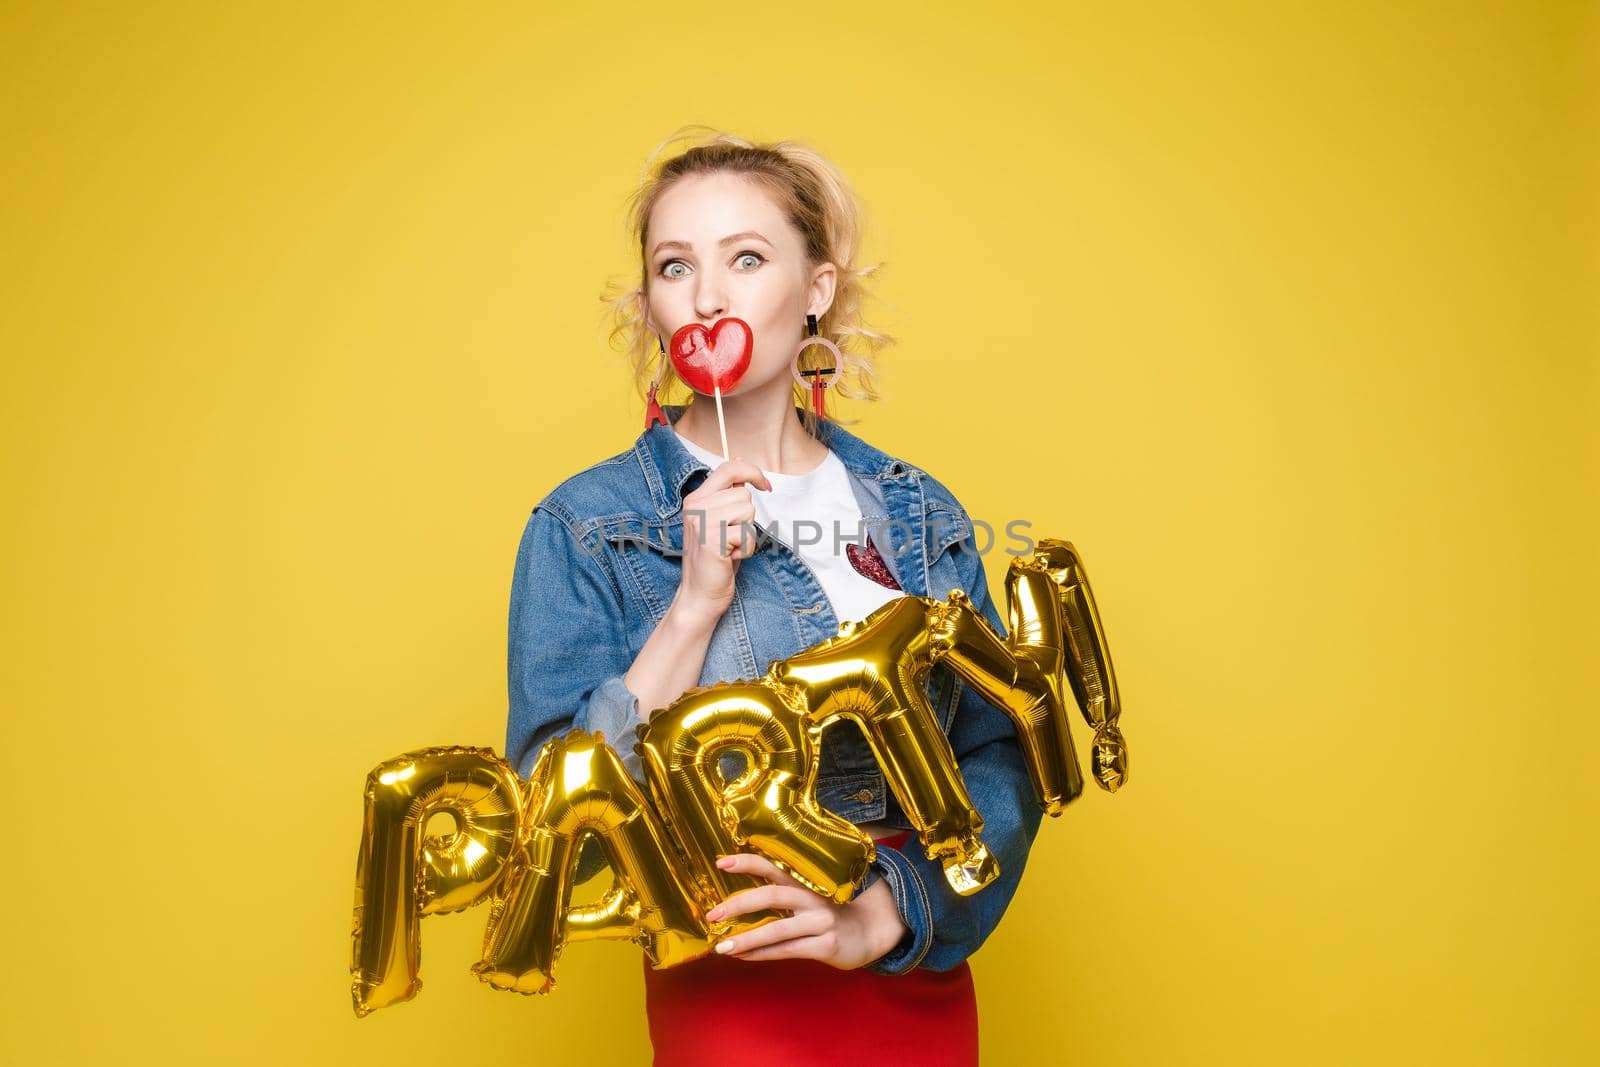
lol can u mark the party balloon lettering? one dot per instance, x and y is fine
(515, 843)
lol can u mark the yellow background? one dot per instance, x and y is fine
(1297, 301)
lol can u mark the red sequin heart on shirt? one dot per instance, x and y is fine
(868, 562)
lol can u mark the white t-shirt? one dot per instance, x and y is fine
(817, 508)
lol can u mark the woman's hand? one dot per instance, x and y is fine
(841, 935)
(718, 532)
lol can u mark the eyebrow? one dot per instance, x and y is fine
(728, 240)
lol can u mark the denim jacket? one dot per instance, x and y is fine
(598, 566)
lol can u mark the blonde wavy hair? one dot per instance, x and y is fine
(817, 200)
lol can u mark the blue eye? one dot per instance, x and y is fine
(755, 255)
(662, 270)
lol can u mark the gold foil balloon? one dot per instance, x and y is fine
(1094, 683)
(404, 873)
(579, 786)
(874, 673)
(771, 805)
(1055, 644)
(1025, 678)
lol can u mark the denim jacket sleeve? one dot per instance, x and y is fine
(944, 927)
(567, 650)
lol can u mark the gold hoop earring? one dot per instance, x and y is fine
(811, 369)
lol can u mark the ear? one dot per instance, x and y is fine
(819, 296)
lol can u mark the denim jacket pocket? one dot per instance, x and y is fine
(855, 797)
(649, 558)
(947, 531)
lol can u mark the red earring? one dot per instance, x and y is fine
(653, 413)
(812, 372)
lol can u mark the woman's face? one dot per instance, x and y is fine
(717, 247)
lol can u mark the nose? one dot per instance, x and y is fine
(710, 302)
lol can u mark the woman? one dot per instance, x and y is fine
(666, 567)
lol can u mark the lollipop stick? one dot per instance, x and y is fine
(720, 424)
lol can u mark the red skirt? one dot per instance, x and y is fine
(799, 1013)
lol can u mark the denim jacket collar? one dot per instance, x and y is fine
(668, 466)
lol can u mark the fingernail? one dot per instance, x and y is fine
(714, 914)
(724, 946)
(724, 862)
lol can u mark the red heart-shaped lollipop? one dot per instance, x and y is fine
(712, 359)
